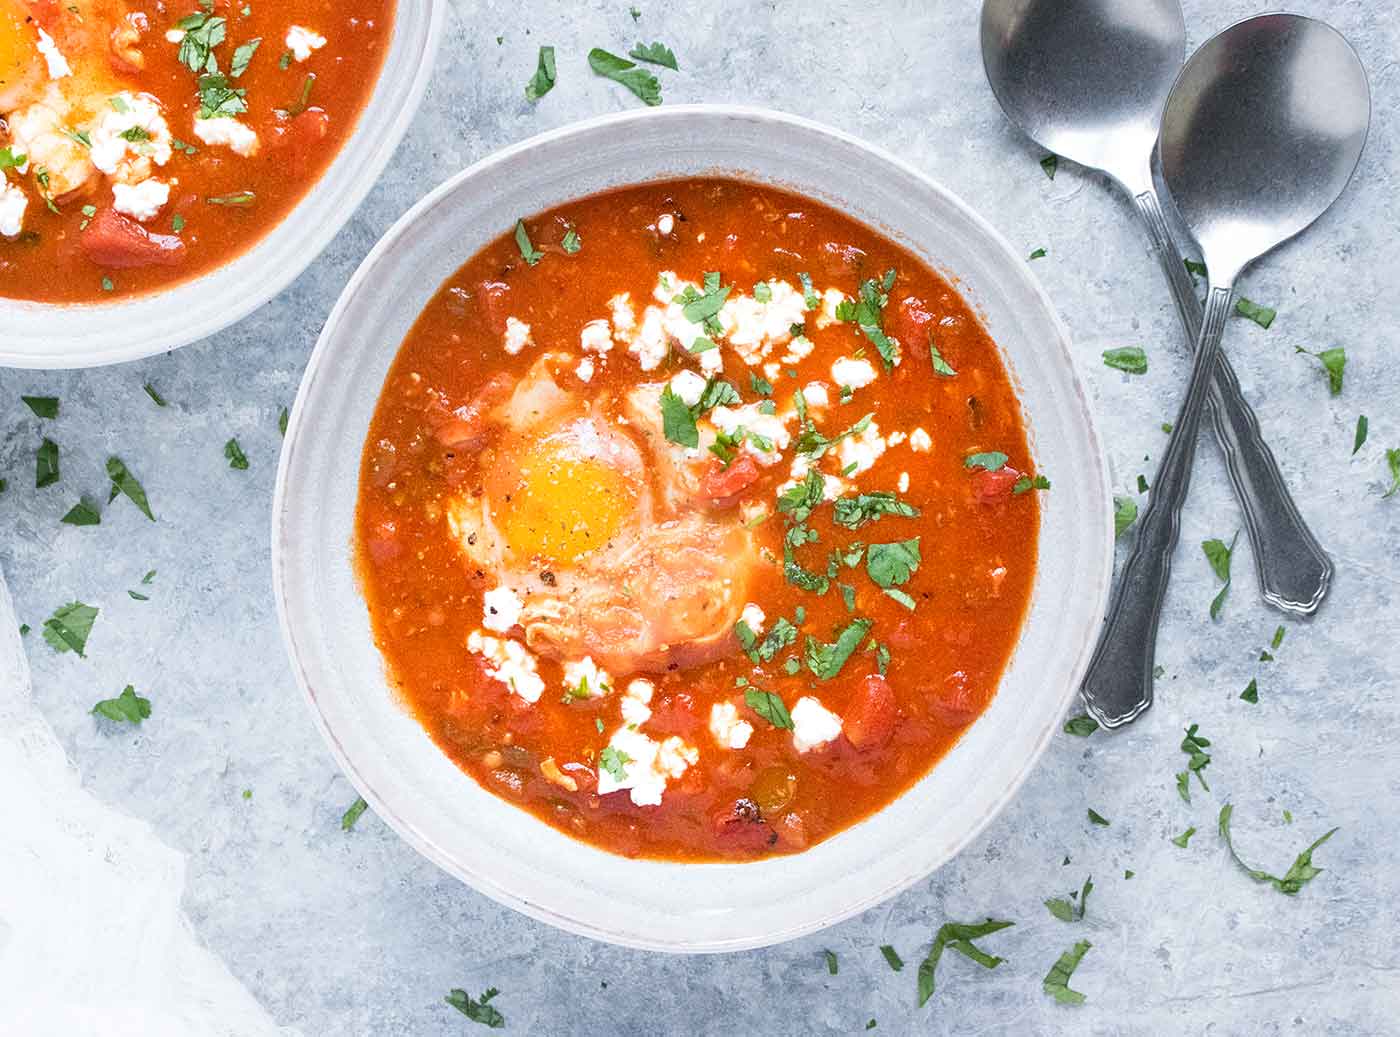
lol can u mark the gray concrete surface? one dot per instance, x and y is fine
(355, 934)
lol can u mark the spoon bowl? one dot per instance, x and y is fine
(1261, 133)
(1057, 69)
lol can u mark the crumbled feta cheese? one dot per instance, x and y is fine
(853, 373)
(301, 42)
(921, 441)
(58, 64)
(711, 361)
(753, 617)
(815, 394)
(859, 453)
(230, 133)
(13, 202)
(500, 609)
(175, 35)
(771, 370)
(729, 731)
(895, 438)
(903, 482)
(636, 702)
(753, 328)
(508, 662)
(517, 336)
(596, 337)
(666, 224)
(624, 318)
(650, 345)
(585, 369)
(813, 724)
(832, 487)
(689, 386)
(583, 679)
(118, 155)
(771, 427)
(142, 201)
(831, 299)
(647, 765)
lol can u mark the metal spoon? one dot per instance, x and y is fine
(1262, 131)
(1088, 80)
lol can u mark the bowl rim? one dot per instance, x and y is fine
(322, 354)
(315, 240)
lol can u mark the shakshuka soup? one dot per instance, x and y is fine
(697, 519)
(144, 142)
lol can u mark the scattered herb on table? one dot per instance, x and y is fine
(46, 464)
(348, 819)
(1294, 879)
(155, 396)
(1195, 268)
(1362, 429)
(1195, 745)
(236, 457)
(1056, 982)
(124, 482)
(655, 53)
(1050, 163)
(958, 936)
(68, 628)
(1039, 253)
(1334, 362)
(282, 422)
(478, 1011)
(1219, 555)
(1392, 459)
(1251, 691)
(1071, 908)
(542, 82)
(42, 406)
(84, 513)
(1128, 359)
(831, 964)
(1261, 315)
(1184, 838)
(892, 957)
(1082, 726)
(126, 708)
(1125, 513)
(620, 70)
(1098, 818)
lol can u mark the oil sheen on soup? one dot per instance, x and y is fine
(697, 519)
(143, 142)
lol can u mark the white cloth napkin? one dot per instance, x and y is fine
(92, 938)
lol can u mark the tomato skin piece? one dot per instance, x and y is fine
(720, 483)
(994, 487)
(873, 714)
(491, 297)
(956, 701)
(112, 240)
(910, 323)
(301, 135)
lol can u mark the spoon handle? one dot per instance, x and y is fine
(1118, 685)
(1294, 571)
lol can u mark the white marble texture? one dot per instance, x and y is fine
(354, 933)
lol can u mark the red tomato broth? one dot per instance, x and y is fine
(945, 658)
(76, 255)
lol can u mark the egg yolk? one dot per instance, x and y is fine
(565, 504)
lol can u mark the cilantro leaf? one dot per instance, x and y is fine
(1195, 746)
(854, 512)
(155, 396)
(123, 481)
(1392, 459)
(1194, 268)
(1050, 163)
(542, 82)
(1251, 691)
(867, 313)
(1218, 554)
(831, 964)
(1334, 362)
(1082, 726)
(1184, 838)
(1056, 982)
(1039, 253)
(42, 406)
(940, 365)
(203, 32)
(1129, 359)
(220, 99)
(890, 565)
(779, 636)
(242, 55)
(236, 457)
(958, 936)
(799, 501)
(571, 243)
(1098, 818)
(826, 660)
(677, 419)
(46, 464)
(126, 708)
(528, 252)
(348, 819)
(991, 460)
(1261, 315)
(656, 53)
(1299, 874)
(1026, 483)
(68, 628)
(769, 706)
(702, 307)
(1362, 428)
(614, 761)
(478, 1011)
(762, 386)
(1065, 910)
(84, 513)
(1125, 513)
(892, 957)
(620, 70)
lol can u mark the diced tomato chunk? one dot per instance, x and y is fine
(301, 137)
(467, 427)
(491, 297)
(993, 487)
(872, 715)
(955, 701)
(742, 828)
(113, 240)
(674, 714)
(720, 483)
(910, 322)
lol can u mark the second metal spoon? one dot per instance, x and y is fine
(1088, 80)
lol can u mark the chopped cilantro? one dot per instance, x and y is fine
(1298, 875)
(282, 421)
(1392, 460)
(1039, 253)
(940, 365)
(892, 957)
(1362, 427)
(242, 55)
(1125, 513)
(542, 82)
(1334, 362)
(1129, 359)
(124, 482)
(1184, 838)
(614, 761)
(46, 464)
(348, 819)
(769, 706)
(854, 512)
(958, 936)
(677, 419)
(236, 199)
(656, 54)
(1026, 483)
(571, 243)
(1065, 909)
(219, 99)
(1261, 315)
(528, 252)
(826, 660)
(1277, 641)
(620, 70)
(762, 386)
(84, 513)
(42, 406)
(1218, 554)
(704, 306)
(10, 160)
(810, 298)
(478, 1011)
(236, 457)
(126, 708)
(1050, 163)
(800, 500)
(890, 565)
(1098, 818)
(1194, 268)
(831, 965)
(203, 32)
(1195, 746)
(992, 461)
(1251, 691)
(867, 313)
(68, 628)
(1056, 982)
(1082, 726)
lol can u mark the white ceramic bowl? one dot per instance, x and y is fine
(91, 334)
(503, 851)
